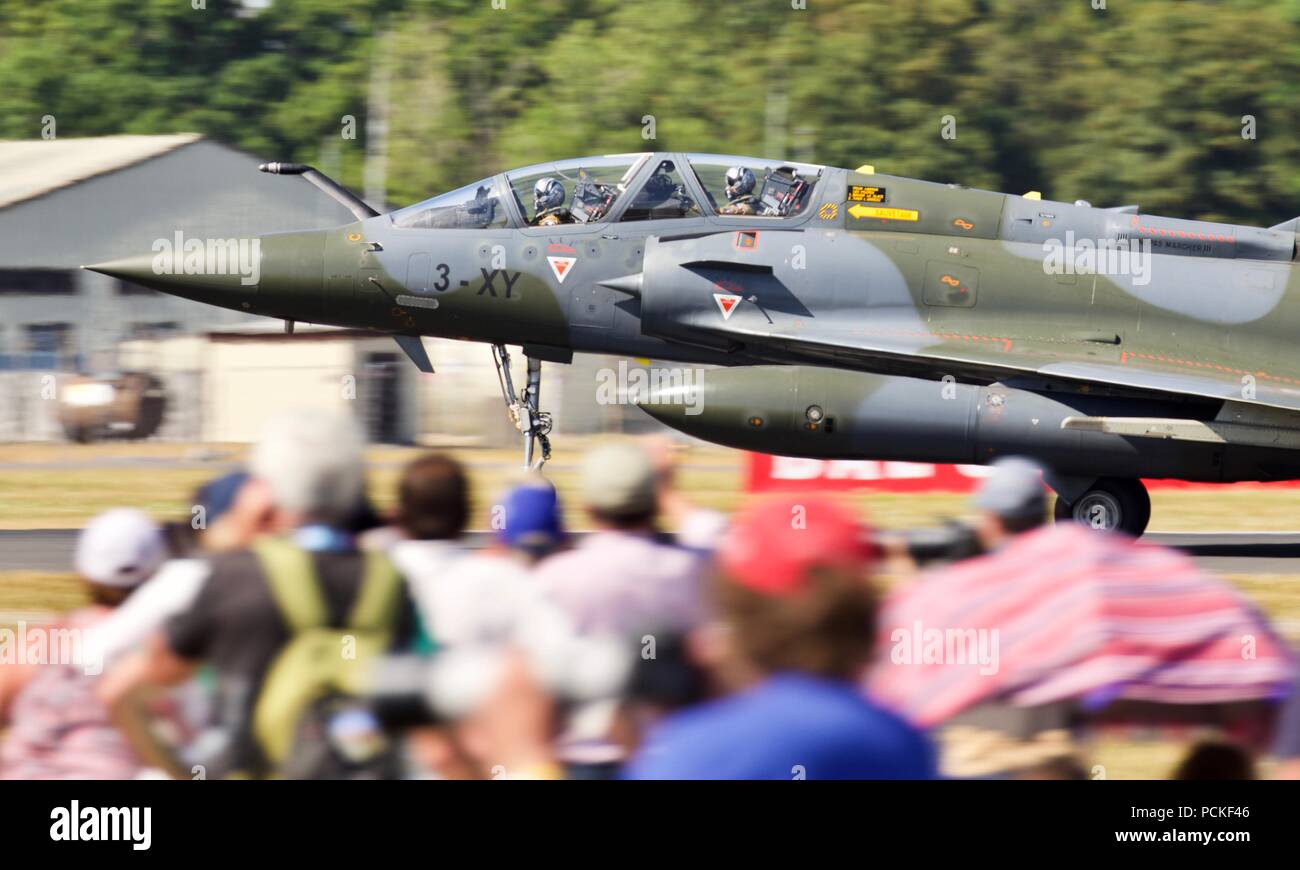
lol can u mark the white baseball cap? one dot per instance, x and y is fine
(120, 548)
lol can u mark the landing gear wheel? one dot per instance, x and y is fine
(1110, 503)
(533, 424)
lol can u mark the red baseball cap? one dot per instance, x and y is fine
(772, 547)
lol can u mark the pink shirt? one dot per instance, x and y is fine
(59, 729)
(623, 582)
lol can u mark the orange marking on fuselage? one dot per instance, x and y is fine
(1127, 355)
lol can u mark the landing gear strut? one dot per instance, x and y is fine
(1109, 503)
(534, 424)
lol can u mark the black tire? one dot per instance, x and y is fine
(1110, 503)
(78, 434)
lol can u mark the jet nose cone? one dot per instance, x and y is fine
(128, 268)
(211, 270)
(136, 269)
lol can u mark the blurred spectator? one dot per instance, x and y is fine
(432, 510)
(531, 522)
(694, 526)
(484, 618)
(433, 499)
(1011, 500)
(204, 528)
(507, 735)
(679, 670)
(1216, 759)
(1010, 654)
(473, 597)
(272, 619)
(1066, 768)
(232, 517)
(58, 727)
(1286, 744)
(795, 598)
(621, 579)
(622, 582)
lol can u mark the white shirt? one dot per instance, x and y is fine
(464, 598)
(171, 590)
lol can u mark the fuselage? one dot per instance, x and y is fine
(951, 280)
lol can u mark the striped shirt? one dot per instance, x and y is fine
(1064, 612)
(59, 728)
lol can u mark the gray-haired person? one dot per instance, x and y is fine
(307, 575)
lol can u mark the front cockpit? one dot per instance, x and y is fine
(589, 188)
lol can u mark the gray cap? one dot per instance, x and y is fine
(1014, 489)
(618, 479)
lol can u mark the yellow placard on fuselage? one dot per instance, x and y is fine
(862, 212)
(861, 193)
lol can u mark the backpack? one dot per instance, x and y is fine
(316, 684)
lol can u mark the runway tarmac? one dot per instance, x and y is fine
(1222, 552)
(1237, 552)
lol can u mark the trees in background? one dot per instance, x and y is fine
(1141, 102)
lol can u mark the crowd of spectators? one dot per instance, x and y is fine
(287, 629)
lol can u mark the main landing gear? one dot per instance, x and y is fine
(533, 424)
(1108, 503)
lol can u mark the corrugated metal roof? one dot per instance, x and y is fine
(32, 167)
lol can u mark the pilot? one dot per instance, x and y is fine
(548, 203)
(740, 192)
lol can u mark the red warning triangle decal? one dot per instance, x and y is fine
(561, 266)
(727, 303)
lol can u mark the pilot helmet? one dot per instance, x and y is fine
(740, 182)
(548, 193)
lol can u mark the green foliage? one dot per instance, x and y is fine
(1140, 102)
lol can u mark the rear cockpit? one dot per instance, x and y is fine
(750, 187)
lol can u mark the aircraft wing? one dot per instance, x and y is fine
(1083, 360)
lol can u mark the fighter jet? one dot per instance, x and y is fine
(849, 314)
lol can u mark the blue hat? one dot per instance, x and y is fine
(218, 495)
(531, 518)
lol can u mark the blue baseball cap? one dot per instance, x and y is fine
(531, 518)
(218, 495)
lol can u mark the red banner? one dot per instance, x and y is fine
(768, 473)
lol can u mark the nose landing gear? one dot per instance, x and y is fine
(533, 424)
(1109, 503)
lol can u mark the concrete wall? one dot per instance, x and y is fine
(225, 386)
(29, 407)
